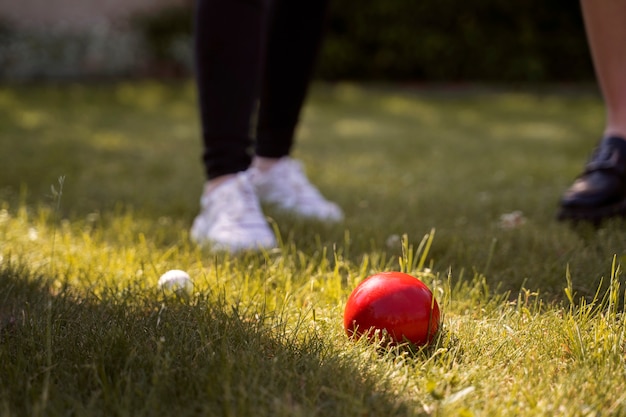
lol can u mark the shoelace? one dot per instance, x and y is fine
(606, 159)
(238, 203)
(243, 205)
(300, 184)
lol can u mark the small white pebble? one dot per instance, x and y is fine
(512, 220)
(393, 241)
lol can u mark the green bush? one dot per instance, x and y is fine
(56, 52)
(167, 38)
(492, 40)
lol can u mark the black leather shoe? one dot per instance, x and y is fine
(600, 192)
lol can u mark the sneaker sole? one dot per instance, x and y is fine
(593, 215)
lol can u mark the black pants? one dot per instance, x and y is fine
(251, 52)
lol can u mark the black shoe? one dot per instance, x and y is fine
(600, 192)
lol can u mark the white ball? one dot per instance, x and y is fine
(176, 280)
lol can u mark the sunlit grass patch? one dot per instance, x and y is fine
(456, 188)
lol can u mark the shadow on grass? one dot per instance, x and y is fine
(128, 353)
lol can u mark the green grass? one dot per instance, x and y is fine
(532, 315)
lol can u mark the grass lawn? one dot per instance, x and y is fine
(99, 185)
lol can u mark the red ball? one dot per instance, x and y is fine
(396, 302)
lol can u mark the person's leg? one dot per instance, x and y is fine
(605, 22)
(229, 37)
(600, 191)
(294, 36)
(229, 42)
(293, 41)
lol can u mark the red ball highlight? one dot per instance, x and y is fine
(396, 302)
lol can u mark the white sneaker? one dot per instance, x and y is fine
(286, 186)
(231, 218)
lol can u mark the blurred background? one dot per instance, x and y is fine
(367, 40)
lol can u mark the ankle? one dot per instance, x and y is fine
(615, 130)
(213, 183)
(263, 163)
